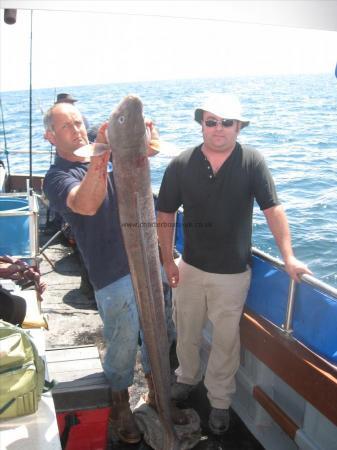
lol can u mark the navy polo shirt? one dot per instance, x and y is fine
(98, 237)
(218, 209)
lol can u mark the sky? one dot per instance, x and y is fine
(119, 42)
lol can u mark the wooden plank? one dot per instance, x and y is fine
(72, 353)
(280, 417)
(81, 383)
(307, 373)
(74, 373)
(68, 364)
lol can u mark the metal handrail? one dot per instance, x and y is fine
(13, 194)
(16, 213)
(33, 229)
(287, 326)
(35, 152)
(309, 279)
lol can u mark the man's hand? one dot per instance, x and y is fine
(101, 137)
(172, 273)
(296, 268)
(99, 162)
(152, 137)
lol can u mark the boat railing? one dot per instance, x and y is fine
(308, 279)
(34, 152)
(303, 311)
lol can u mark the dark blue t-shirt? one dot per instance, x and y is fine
(98, 237)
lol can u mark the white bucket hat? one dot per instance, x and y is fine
(226, 106)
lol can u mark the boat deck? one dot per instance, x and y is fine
(73, 321)
(71, 316)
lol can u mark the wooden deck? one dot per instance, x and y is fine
(72, 318)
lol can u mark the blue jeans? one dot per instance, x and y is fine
(117, 307)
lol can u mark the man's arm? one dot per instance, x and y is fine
(88, 196)
(278, 224)
(166, 228)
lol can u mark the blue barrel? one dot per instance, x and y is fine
(14, 229)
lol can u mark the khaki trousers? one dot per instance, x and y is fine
(220, 298)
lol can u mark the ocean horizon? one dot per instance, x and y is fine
(293, 124)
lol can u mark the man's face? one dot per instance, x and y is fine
(69, 132)
(218, 137)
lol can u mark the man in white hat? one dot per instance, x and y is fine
(216, 182)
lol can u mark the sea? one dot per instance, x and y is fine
(293, 123)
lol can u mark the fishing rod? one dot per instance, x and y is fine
(51, 145)
(50, 152)
(10, 19)
(5, 139)
(30, 103)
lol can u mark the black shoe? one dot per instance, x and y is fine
(218, 420)
(181, 391)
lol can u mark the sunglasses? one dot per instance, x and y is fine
(226, 123)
